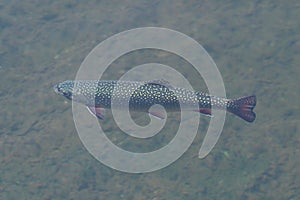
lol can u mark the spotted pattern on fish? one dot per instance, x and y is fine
(143, 95)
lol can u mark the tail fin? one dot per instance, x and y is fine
(243, 107)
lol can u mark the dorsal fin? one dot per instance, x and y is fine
(161, 82)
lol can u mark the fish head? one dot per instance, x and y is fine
(65, 89)
(80, 91)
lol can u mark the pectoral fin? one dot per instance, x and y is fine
(97, 112)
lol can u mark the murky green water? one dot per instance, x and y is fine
(256, 46)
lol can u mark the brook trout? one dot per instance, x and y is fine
(97, 96)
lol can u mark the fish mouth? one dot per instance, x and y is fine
(56, 89)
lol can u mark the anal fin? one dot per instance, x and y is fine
(205, 112)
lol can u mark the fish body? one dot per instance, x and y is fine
(98, 95)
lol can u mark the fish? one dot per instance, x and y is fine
(97, 96)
